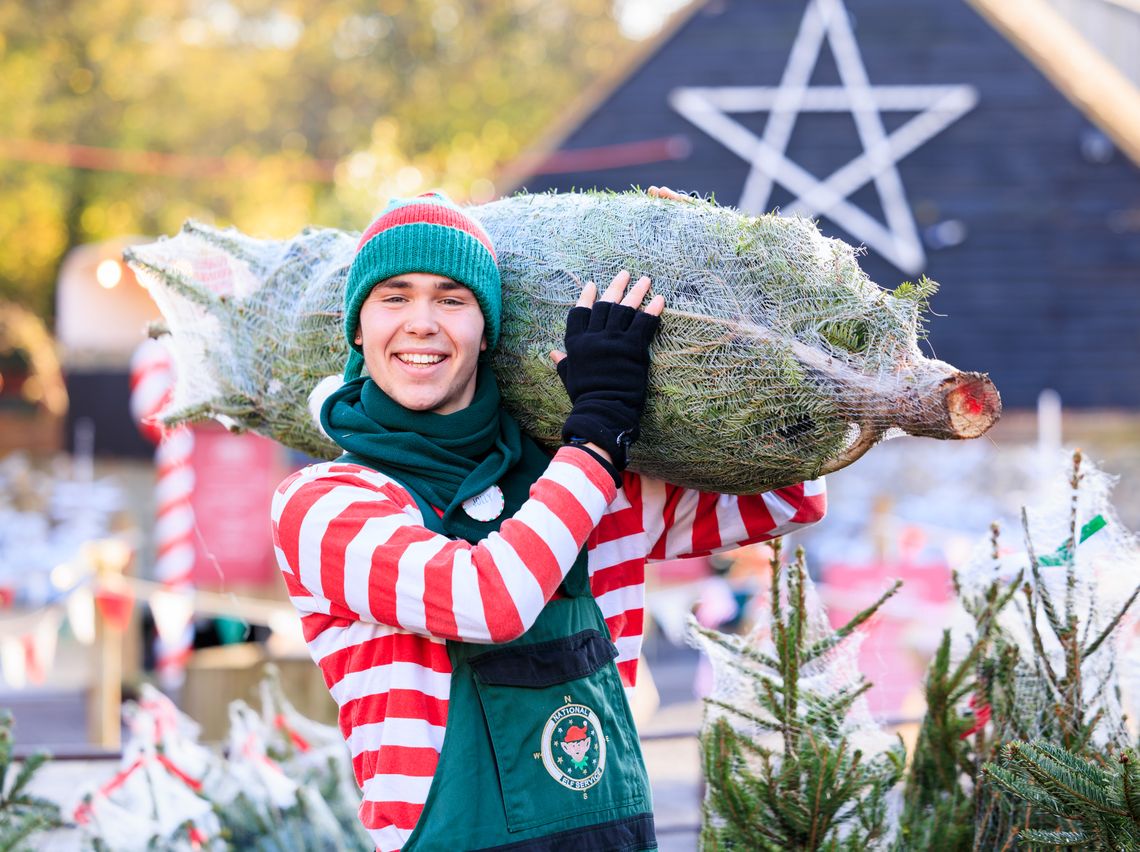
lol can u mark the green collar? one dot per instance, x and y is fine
(445, 459)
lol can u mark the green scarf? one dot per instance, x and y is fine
(442, 459)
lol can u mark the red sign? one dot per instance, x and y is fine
(234, 480)
(901, 638)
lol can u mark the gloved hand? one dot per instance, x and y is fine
(606, 367)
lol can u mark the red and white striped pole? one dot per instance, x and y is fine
(152, 386)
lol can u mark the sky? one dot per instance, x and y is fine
(641, 19)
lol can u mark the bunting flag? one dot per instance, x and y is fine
(115, 604)
(13, 661)
(27, 646)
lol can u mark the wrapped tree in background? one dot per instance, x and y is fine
(1058, 704)
(938, 803)
(1023, 745)
(791, 757)
(1025, 716)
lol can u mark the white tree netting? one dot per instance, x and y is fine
(778, 358)
(1105, 574)
(154, 800)
(738, 675)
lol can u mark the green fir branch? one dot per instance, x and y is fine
(1015, 784)
(760, 722)
(1091, 648)
(1070, 548)
(736, 648)
(1094, 797)
(1035, 568)
(827, 643)
(1041, 658)
(1040, 839)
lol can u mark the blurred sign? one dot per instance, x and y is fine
(901, 638)
(235, 476)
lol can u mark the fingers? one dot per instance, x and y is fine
(616, 291)
(636, 294)
(589, 293)
(556, 356)
(598, 308)
(666, 192)
(617, 287)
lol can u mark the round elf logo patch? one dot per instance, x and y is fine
(574, 747)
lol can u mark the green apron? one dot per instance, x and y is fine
(540, 753)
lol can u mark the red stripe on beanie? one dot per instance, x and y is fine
(428, 214)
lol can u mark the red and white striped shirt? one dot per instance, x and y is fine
(379, 593)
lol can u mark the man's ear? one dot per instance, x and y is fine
(483, 344)
(359, 339)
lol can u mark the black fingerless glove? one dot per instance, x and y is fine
(606, 371)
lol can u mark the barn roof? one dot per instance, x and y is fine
(1077, 66)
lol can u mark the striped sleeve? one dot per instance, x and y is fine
(351, 544)
(683, 522)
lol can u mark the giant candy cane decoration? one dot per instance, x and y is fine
(152, 383)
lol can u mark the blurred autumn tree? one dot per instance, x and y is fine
(268, 115)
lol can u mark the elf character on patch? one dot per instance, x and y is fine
(577, 744)
(446, 541)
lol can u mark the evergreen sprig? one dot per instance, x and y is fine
(938, 802)
(22, 815)
(1099, 797)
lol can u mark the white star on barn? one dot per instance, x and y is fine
(937, 107)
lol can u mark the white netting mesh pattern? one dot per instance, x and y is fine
(778, 358)
(738, 677)
(1107, 572)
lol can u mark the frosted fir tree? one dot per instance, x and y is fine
(1060, 777)
(791, 757)
(1025, 719)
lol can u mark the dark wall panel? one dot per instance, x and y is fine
(103, 398)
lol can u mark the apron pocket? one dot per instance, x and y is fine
(560, 728)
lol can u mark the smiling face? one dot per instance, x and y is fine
(421, 335)
(577, 749)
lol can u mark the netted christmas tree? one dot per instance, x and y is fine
(288, 783)
(1065, 696)
(792, 758)
(1024, 743)
(938, 802)
(778, 359)
(1027, 711)
(282, 784)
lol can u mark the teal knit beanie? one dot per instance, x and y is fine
(428, 233)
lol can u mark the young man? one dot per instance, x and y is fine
(475, 606)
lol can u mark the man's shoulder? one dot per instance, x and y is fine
(323, 476)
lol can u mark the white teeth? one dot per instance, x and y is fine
(417, 358)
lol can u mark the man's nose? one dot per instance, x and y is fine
(421, 319)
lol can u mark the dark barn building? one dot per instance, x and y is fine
(924, 132)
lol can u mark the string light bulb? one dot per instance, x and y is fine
(109, 273)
